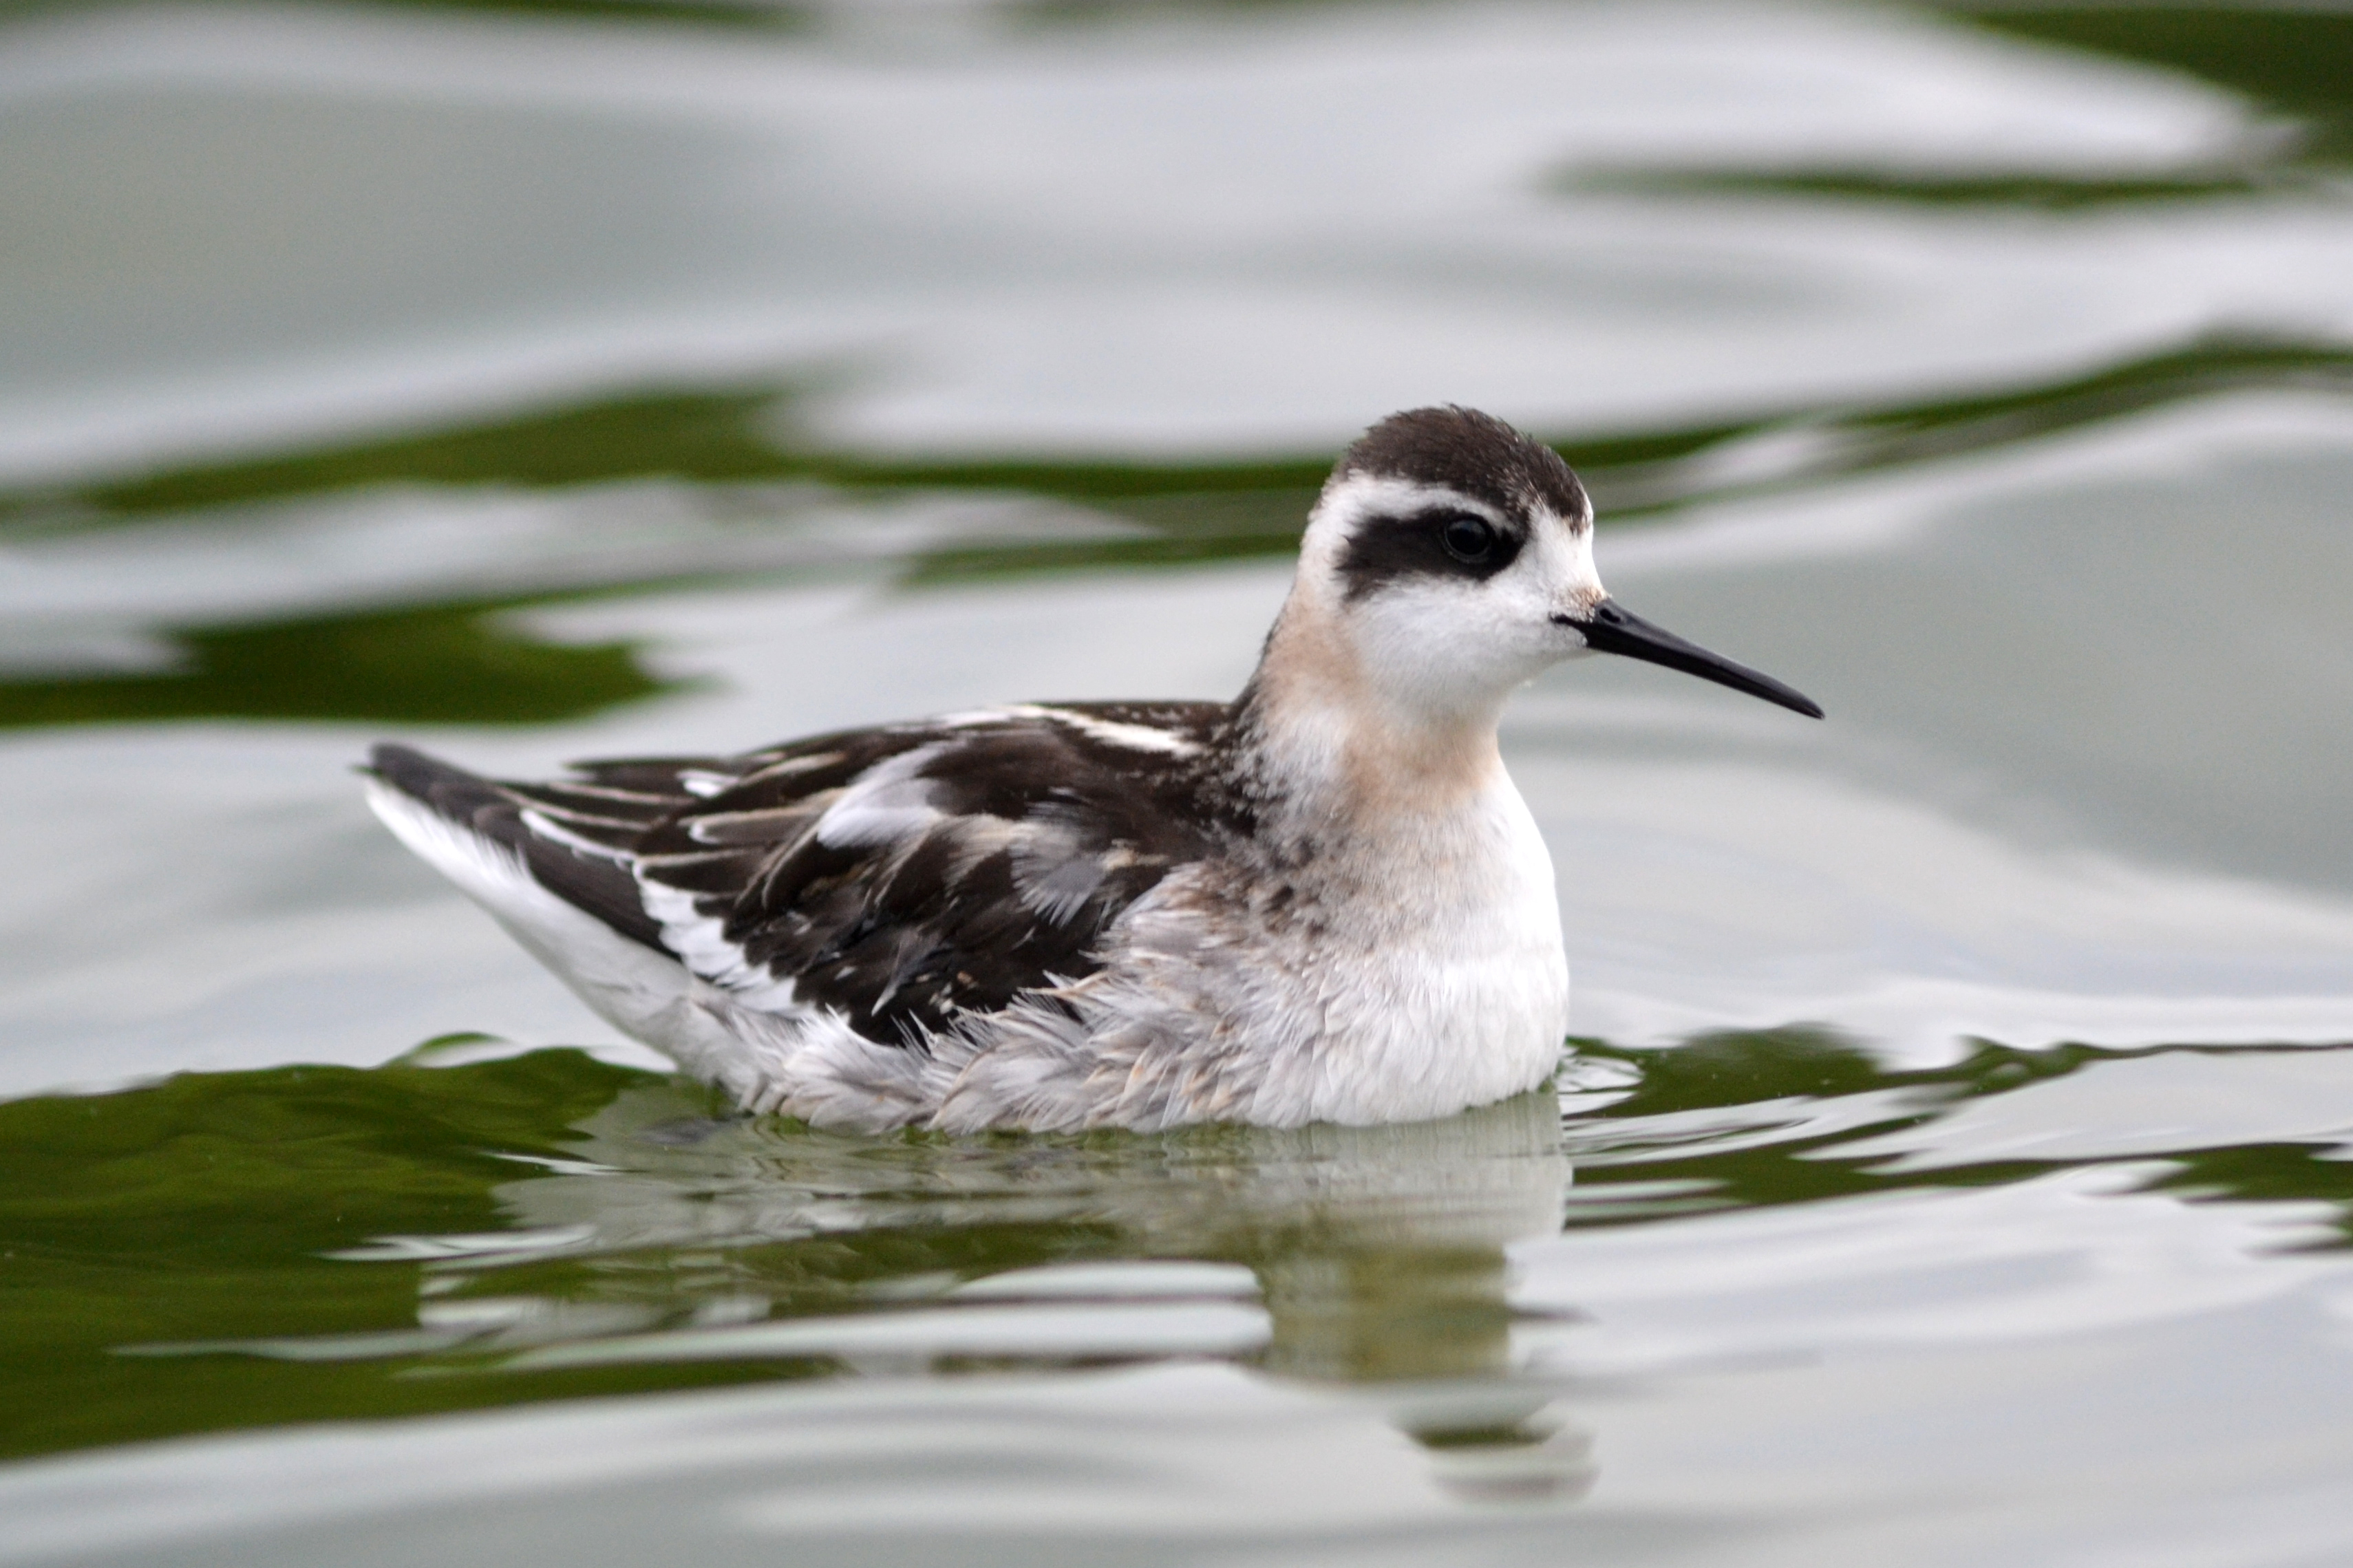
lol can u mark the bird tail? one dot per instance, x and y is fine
(502, 848)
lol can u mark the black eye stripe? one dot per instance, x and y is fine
(1435, 542)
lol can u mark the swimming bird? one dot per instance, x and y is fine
(1321, 902)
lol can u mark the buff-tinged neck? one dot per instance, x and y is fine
(1325, 746)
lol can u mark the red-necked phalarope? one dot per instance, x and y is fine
(1321, 902)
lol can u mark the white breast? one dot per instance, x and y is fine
(1424, 976)
(1462, 996)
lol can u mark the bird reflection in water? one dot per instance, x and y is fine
(1374, 1257)
(1425, 1330)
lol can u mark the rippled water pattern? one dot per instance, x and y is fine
(1956, 1164)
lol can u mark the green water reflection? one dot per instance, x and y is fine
(2291, 64)
(237, 1249)
(432, 664)
(2291, 61)
(2044, 192)
(444, 661)
(744, 434)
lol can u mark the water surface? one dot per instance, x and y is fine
(1952, 1166)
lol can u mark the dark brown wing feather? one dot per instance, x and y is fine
(962, 864)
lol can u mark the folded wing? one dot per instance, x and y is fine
(900, 876)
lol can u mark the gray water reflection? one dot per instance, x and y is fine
(1005, 237)
(1368, 1258)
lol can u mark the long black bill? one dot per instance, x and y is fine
(1612, 629)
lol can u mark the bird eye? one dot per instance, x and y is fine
(1469, 540)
